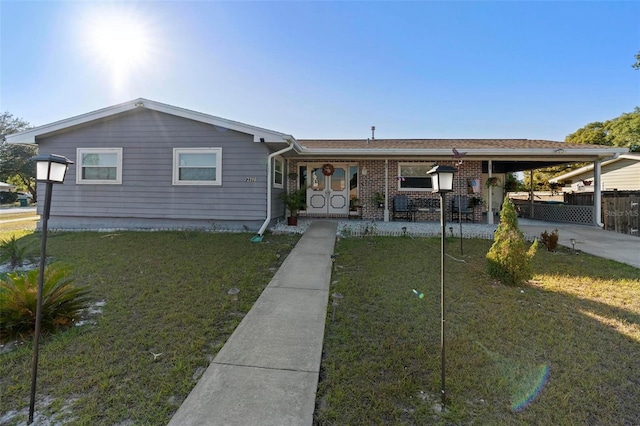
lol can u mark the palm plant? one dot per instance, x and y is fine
(61, 301)
(12, 252)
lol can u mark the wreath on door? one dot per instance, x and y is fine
(327, 169)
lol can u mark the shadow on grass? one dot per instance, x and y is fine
(382, 354)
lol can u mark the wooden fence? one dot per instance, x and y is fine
(620, 211)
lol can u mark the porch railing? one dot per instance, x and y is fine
(558, 212)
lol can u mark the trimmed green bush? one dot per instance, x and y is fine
(508, 259)
(61, 301)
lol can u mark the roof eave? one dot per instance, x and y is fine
(259, 134)
(446, 152)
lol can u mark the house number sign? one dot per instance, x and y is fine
(251, 179)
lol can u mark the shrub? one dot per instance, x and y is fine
(550, 240)
(61, 301)
(8, 197)
(13, 252)
(508, 259)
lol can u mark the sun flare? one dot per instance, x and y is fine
(119, 43)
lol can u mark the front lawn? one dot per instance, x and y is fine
(562, 350)
(154, 293)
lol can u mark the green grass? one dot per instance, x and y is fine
(163, 292)
(579, 318)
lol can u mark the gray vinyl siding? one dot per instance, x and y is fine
(147, 139)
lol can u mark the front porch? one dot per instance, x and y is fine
(367, 189)
(360, 179)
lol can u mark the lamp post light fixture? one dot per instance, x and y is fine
(442, 182)
(50, 169)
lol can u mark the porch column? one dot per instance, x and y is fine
(489, 189)
(531, 193)
(597, 195)
(386, 190)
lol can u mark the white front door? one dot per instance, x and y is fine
(328, 192)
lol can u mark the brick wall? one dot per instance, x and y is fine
(372, 180)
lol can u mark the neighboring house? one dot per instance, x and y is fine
(7, 187)
(5, 193)
(144, 164)
(621, 173)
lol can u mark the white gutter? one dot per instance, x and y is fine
(597, 194)
(482, 152)
(269, 158)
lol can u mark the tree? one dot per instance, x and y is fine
(622, 131)
(593, 134)
(508, 260)
(10, 124)
(511, 183)
(15, 159)
(637, 64)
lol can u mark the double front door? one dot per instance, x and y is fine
(328, 191)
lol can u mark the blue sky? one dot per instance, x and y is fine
(536, 70)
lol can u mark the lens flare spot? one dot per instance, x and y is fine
(524, 381)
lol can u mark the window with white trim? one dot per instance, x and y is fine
(99, 166)
(197, 166)
(278, 172)
(414, 177)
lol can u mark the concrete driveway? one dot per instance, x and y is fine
(590, 239)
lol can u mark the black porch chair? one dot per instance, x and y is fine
(460, 208)
(403, 208)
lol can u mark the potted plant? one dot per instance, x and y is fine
(355, 207)
(475, 202)
(493, 181)
(354, 203)
(378, 198)
(294, 200)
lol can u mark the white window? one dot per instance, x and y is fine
(99, 166)
(414, 177)
(278, 172)
(197, 166)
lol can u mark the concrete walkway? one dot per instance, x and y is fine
(267, 372)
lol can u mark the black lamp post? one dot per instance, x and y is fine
(50, 169)
(442, 182)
